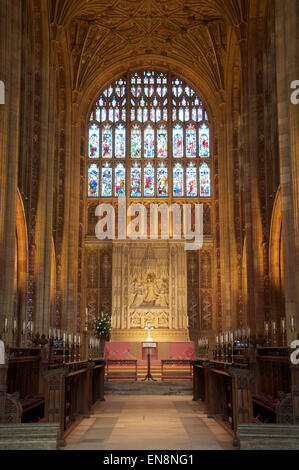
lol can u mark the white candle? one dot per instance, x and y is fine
(86, 320)
(5, 324)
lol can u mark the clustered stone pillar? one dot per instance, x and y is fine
(287, 54)
(10, 74)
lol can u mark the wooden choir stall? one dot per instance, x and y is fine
(250, 389)
(47, 386)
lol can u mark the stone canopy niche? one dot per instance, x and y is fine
(149, 286)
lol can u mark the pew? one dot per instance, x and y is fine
(268, 437)
(71, 391)
(225, 388)
(22, 383)
(175, 369)
(29, 436)
(121, 369)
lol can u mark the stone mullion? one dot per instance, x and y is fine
(10, 50)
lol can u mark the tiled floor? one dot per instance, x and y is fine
(148, 423)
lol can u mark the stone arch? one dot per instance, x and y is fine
(21, 262)
(276, 271)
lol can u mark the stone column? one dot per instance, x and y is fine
(10, 73)
(287, 55)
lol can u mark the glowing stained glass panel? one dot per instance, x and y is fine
(162, 142)
(204, 141)
(149, 142)
(93, 181)
(136, 181)
(120, 142)
(178, 142)
(94, 142)
(120, 180)
(107, 142)
(136, 142)
(162, 181)
(178, 180)
(107, 181)
(191, 180)
(149, 181)
(191, 142)
(205, 181)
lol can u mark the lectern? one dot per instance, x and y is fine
(150, 347)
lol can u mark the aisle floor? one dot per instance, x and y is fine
(148, 423)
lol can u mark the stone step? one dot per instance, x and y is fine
(148, 388)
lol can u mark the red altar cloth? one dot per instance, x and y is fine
(131, 351)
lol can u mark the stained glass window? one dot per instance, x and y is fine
(94, 141)
(120, 180)
(107, 181)
(146, 131)
(149, 142)
(178, 141)
(120, 141)
(191, 180)
(205, 181)
(107, 142)
(178, 180)
(162, 180)
(162, 142)
(93, 180)
(191, 142)
(136, 181)
(149, 180)
(204, 141)
(136, 142)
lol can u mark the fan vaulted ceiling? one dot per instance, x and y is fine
(102, 33)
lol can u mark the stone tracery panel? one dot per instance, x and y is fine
(149, 286)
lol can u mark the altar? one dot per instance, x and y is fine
(163, 351)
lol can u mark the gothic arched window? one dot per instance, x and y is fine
(149, 137)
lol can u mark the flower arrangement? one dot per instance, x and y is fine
(102, 326)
